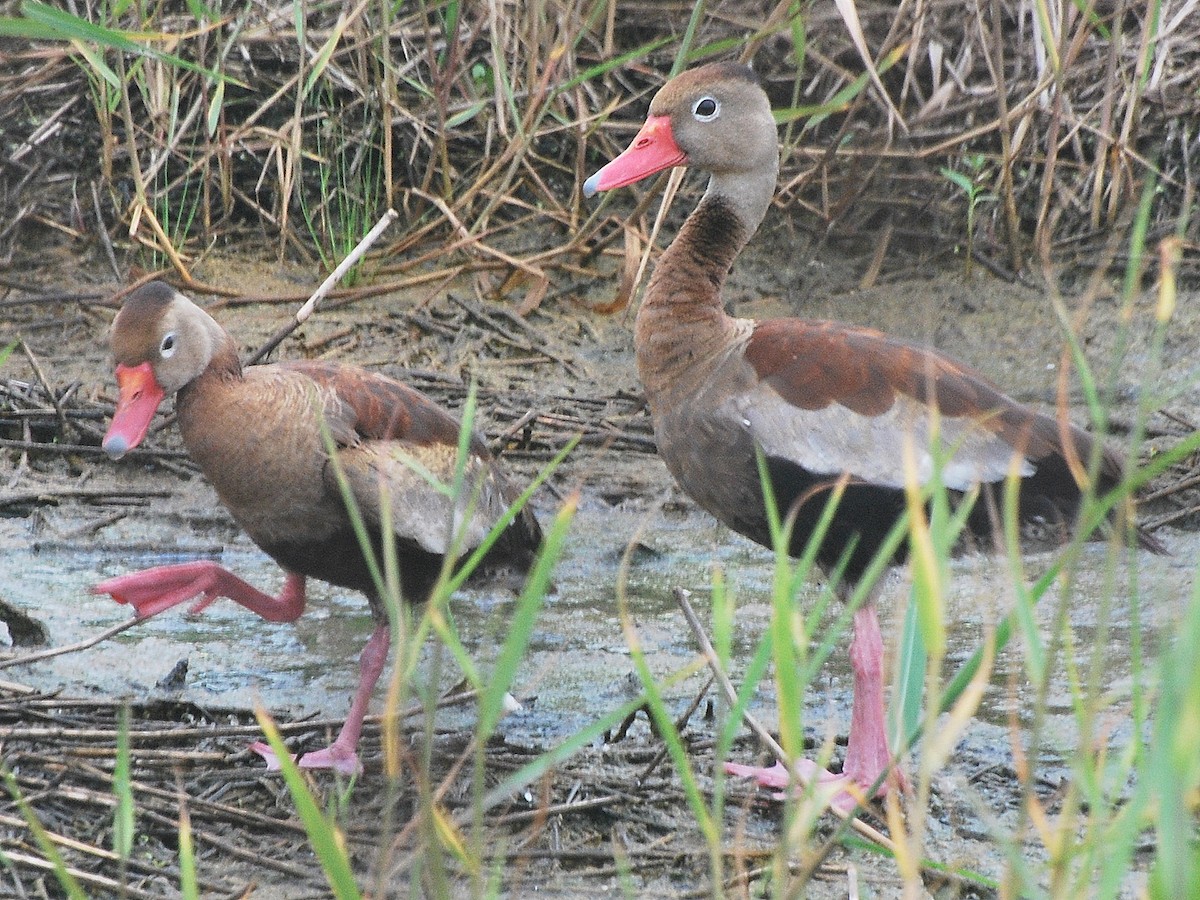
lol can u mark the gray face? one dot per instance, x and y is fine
(721, 119)
(160, 326)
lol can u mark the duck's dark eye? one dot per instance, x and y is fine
(167, 347)
(706, 109)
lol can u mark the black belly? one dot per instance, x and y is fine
(1048, 502)
(338, 559)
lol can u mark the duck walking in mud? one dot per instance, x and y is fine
(256, 434)
(829, 405)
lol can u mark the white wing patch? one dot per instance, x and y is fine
(835, 440)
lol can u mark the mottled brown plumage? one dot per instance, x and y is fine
(256, 433)
(826, 403)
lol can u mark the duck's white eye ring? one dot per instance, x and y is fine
(167, 348)
(706, 109)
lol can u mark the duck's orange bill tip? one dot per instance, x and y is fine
(139, 400)
(652, 150)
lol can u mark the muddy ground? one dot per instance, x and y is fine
(71, 518)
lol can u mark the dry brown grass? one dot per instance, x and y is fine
(478, 127)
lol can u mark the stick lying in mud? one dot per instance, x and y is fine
(148, 736)
(327, 285)
(70, 648)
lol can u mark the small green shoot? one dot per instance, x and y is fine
(972, 184)
(123, 814)
(189, 881)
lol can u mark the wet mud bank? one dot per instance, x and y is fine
(73, 519)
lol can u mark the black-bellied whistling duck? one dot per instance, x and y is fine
(256, 435)
(822, 400)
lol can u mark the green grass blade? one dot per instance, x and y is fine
(790, 628)
(1150, 22)
(200, 12)
(466, 115)
(438, 621)
(834, 635)
(357, 523)
(689, 35)
(1137, 237)
(214, 109)
(755, 670)
(65, 879)
(63, 26)
(28, 30)
(669, 734)
(392, 595)
(123, 812)
(909, 689)
(1035, 657)
(799, 34)
(964, 182)
(545, 762)
(520, 627)
(95, 59)
(472, 562)
(603, 68)
(840, 101)
(1173, 771)
(323, 835)
(66, 26)
(321, 62)
(189, 883)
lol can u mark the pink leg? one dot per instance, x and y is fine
(867, 754)
(151, 591)
(342, 754)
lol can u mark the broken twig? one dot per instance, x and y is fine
(327, 285)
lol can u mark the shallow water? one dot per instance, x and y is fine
(578, 665)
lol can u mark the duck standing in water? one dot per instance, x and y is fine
(826, 403)
(256, 434)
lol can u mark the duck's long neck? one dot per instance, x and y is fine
(223, 369)
(682, 324)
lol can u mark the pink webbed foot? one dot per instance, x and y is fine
(838, 791)
(153, 590)
(341, 756)
(263, 749)
(867, 752)
(332, 758)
